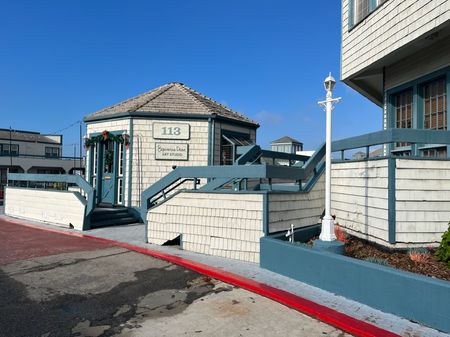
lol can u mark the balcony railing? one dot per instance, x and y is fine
(34, 156)
(387, 140)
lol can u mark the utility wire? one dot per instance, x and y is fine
(67, 127)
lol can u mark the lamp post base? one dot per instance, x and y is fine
(335, 247)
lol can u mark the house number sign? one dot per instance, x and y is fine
(171, 131)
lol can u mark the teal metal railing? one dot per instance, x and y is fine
(416, 139)
(303, 170)
(246, 167)
(54, 182)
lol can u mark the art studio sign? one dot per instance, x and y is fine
(168, 151)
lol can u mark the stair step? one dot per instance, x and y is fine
(99, 215)
(114, 221)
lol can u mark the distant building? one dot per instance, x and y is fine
(286, 144)
(32, 152)
(359, 155)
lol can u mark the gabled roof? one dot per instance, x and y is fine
(172, 98)
(286, 140)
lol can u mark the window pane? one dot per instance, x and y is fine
(435, 108)
(15, 150)
(361, 9)
(5, 149)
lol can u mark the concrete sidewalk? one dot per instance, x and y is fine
(134, 235)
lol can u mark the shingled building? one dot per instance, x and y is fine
(134, 143)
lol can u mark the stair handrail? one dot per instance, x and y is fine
(233, 172)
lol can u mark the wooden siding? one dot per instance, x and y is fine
(145, 169)
(61, 208)
(360, 200)
(388, 28)
(300, 208)
(422, 200)
(420, 64)
(359, 197)
(228, 225)
(149, 170)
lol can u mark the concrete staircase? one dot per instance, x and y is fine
(111, 216)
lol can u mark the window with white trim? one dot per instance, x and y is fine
(120, 174)
(9, 150)
(52, 152)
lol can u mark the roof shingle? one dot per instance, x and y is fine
(172, 98)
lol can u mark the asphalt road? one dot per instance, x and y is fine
(57, 285)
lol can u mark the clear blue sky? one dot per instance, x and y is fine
(61, 60)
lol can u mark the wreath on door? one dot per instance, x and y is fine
(105, 136)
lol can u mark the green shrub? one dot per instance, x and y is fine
(443, 251)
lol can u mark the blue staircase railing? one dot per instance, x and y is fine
(246, 167)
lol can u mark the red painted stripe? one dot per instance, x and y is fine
(318, 311)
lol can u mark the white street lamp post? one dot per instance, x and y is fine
(327, 233)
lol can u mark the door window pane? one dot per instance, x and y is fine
(108, 157)
(403, 112)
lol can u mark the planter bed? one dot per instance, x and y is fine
(396, 258)
(415, 297)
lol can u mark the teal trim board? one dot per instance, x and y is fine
(168, 116)
(447, 75)
(391, 201)
(265, 216)
(129, 180)
(124, 172)
(109, 184)
(209, 141)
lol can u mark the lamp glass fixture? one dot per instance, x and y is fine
(329, 83)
